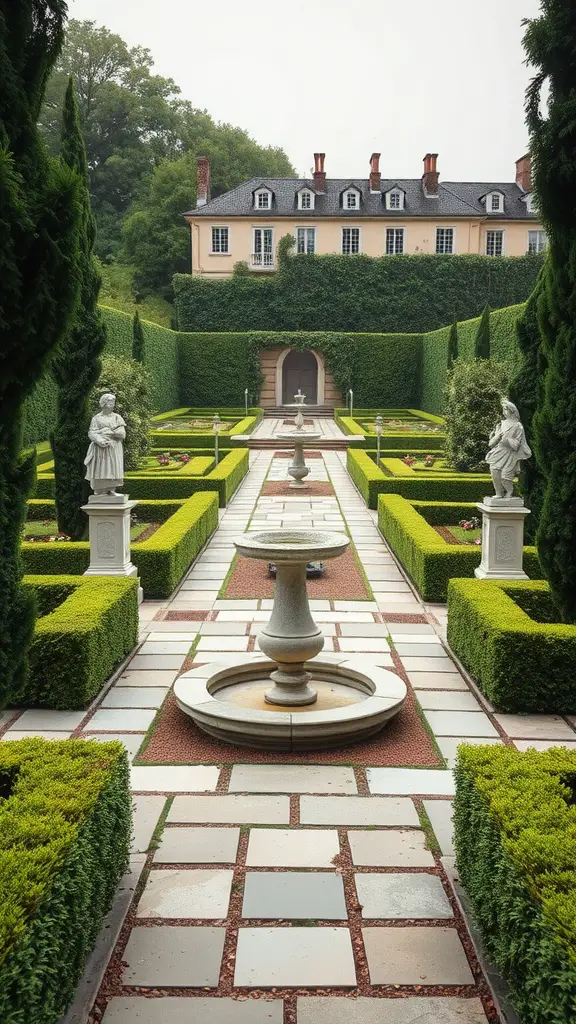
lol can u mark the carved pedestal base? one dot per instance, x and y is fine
(109, 534)
(502, 539)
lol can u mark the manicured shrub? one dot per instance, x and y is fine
(397, 478)
(64, 844)
(130, 382)
(482, 342)
(138, 341)
(505, 635)
(452, 345)
(80, 642)
(163, 559)
(77, 364)
(428, 559)
(473, 406)
(515, 838)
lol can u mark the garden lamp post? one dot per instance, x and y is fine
(351, 393)
(378, 436)
(246, 400)
(216, 428)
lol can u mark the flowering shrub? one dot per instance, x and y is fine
(408, 460)
(429, 460)
(164, 460)
(184, 459)
(469, 524)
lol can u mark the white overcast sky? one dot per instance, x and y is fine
(400, 77)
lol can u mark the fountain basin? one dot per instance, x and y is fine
(227, 701)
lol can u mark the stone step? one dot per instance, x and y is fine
(288, 412)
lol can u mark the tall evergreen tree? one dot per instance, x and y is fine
(77, 364)
(482, 342)
(39, 214)
(138, 341)
(453, 345)
(550, 43)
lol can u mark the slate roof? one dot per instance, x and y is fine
(455, 199)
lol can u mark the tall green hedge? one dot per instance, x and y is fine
(355, 293)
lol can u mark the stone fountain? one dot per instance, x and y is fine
(293, 699)
(298, 469)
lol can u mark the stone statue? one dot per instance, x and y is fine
(105, 457)
(508, 448)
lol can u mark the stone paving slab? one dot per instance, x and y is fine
(390, 848)
(41, 719)
(363, 644)
(222, 643)
(146, 811)
(294, 957)
(294, 895)
(174, 778)
(437, 681)
(145, 677)
(414, 1010)
(130, 741)
(404, 895)
(223, 628)
(357, 810)
(165, 646)
(194, 893)
(419, 650)
(428, 781)
(173, 1010)
(416, 956)
(174, 957)
(286, 778)
(440, 813)
(460, 723)
(121, 720)
(135, 697)
(541, 744)
(368, 629)
(292, 848)
(198, 846)
(421, 664)
(536, 727)
(447, 700)
(231, 809)
(18, 734)
(449, 745)
(157, 661)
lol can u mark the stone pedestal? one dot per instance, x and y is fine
(109, 534)
(502, 539)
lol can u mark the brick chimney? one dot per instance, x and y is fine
(431, 177)
(202, 181)
(375, 176)
(319, 172)
(524, 173)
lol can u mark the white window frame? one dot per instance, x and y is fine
(265, 263)
(351, 227)
(348, 194)
(495, 231)
(529, 200)
(397, 193)
(541, 240)
(306, 227)
(490, 199)
(219, 252)
(398, 231)
(310, 195)
(447, 227)
(260, 193)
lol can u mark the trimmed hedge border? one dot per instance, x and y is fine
(505, 635)
(515, 837)
(360, 438)
(428, 559)
(415, 486)
(89, 625)
(245, 426)
(64, 845)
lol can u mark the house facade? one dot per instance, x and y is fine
(375, 216)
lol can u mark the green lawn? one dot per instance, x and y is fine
(36, 529)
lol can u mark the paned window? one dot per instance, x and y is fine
(494, 243)
(495, 202)
(537, 241)
(220, 240)
(263, 200)
(395, 201)
(351, 201)
(350, 240)
(444, 241)
(394, 241)
(305, 200)
(306, 240)
(263, 255)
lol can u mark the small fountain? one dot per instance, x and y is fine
(292, 699)
(298, 469)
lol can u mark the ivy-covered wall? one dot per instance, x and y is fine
(355, 293)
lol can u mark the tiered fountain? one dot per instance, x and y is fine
(293, 699)
(298, 469)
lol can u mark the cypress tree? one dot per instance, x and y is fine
(453, 345)
(482, 342)
(550, 43)
(77, 364)
(138, 342)
(39, 214)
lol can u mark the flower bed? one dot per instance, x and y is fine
(431, 562)
(506, 634)
(395, 477)
(515, 837)
(233, 422)
(87, 626)
(64, 843)
(400, 427)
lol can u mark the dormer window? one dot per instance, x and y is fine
(529, 200)
(395, 199)
(263, 199)
(494, 202)
(305, 199)
(351, 199)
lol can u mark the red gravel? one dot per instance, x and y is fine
(317, 489)
(290, 423)
(404, 617)
(184, 616)
(175, 739)
(342, 580)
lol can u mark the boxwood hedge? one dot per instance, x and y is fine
(515, 838)
(64, 844)
(505, 634)
(397, 478)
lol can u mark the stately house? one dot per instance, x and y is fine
(376, 216)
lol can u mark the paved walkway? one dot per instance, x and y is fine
(271, 893)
